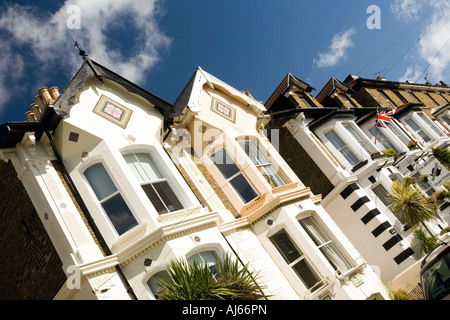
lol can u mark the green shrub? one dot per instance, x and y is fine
(443, 155)
(400, 295)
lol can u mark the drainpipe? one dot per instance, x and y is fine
(88, 216)
(239, 259)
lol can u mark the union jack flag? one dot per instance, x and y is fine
(383, 117)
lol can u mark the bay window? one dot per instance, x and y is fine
(430, 123)
(381, 138)
(340, 145)
(362, 141)
(110, 198)
(262, 162)
(325, 244)
(155, 185)
(233, 175)
(419, 130)
(296, 260)
(398, 132)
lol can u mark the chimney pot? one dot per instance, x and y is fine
(54, 92)
(46, 97)
(29, 115)
(34, 107)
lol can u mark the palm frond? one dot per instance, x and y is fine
(195, 281)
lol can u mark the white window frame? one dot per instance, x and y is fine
(430, 124)
(267, 165)
(330, 243)
(166, 178)
(302, 257)
(109, 197)
(341, 149)
(378, 185)
(395, 128)
(154, 274)
(383, 137)
(360, 137)
(237, 174)
(417, 132)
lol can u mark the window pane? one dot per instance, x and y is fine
(160, 193)
(154, 198)
(306, 274)
(155, 281)
(382, 194)
(206, 257)
(119, 214)
(378, 132)
(135, 167)
(243, 188)
(337, 142)
(149, 167)
(100, 181)
(335, 257)
(224, 163)
(430, 123)
(358, 137)
(398, 132)
(285, 246)
(327, 247)
(168, 196)
(315, 232)
(418, 129)
(273, 177)
(143, 167)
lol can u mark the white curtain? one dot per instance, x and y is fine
(325, 244)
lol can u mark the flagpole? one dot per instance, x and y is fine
(376, 128)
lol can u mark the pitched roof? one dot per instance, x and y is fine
(90, 69)
(12, 133)
(188, 97)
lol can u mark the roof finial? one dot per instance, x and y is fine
(81, 51)
(86, 58)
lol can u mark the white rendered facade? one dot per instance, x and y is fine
(281, 208)
(126, 210)
(343, 150)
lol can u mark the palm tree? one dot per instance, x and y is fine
(410, 205)
(197, 281)
(425, 244)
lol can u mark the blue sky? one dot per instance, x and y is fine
(250, 44)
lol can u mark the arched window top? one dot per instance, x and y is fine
(154, 283)
(209, 258)
(109, 197)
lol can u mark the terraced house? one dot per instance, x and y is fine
(272, 219)
(115, 183)
(335, 136)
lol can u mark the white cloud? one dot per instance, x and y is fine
(406, 9)
(432, 56)
(412, 73)
(337, 50)
(43, 37)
